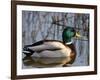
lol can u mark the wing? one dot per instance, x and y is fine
(46, 45)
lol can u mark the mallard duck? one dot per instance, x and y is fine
(55, 48)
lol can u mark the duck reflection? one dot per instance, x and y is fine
(38, 62)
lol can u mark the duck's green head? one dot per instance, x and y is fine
(68, 34)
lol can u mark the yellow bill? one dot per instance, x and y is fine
(77, 35)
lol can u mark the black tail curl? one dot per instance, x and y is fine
(27, 51)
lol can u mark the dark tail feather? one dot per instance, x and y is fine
(27, 51)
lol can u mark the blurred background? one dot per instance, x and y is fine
(39, 25)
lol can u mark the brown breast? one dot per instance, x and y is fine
(73, 53)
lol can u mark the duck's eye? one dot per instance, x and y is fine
(73, 30)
